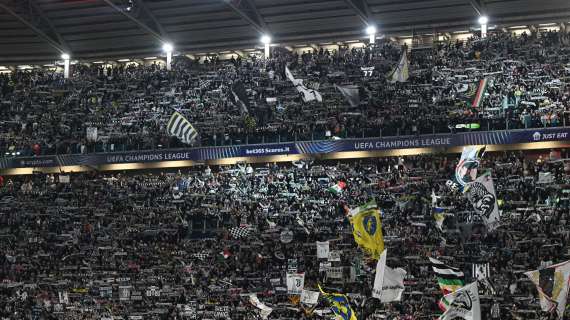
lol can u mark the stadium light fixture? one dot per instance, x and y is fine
(167, 47)
(370, 30)
(265, 39)
(65, 56)
(483, 20)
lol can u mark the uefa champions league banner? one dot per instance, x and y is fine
(293, 148)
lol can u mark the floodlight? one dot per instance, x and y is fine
(371, 30)
(65, 56)
(167, 47)
(483, 20)
(265, 39)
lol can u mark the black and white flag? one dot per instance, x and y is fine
(481, 194)
(351, 93)
(307, 94)
(181, 128)
(240, 232)
(240, 98)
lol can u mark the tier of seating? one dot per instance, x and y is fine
(195, 243)
(127, 108)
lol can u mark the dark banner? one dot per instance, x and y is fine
(294, 148)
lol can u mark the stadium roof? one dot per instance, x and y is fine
(40, 30)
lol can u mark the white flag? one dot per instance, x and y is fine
(401, 72)
(295, 283)
(308, 94)
(91, 134)
(323, 250)
(310, 297)
(265, 311)
(388, 282)
(552, 286)
(481, 194)
(463, 304)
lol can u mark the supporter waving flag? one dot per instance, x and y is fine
(339, 305)
(181, 128)
(367, 228)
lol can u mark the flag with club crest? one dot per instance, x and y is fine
(464, 303)
(481, 194)
(466, 169)
(295, 283)
(339, 305)
(181, 128)
(367, 228)
(552, 286)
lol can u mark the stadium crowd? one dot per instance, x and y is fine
(194, 243)
(127, 107)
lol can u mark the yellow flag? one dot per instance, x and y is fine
(339, 305)
(367, 229)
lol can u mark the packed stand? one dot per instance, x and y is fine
(194, 244)
(127, 107)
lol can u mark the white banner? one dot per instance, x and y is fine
(335, 272)
(310, 297)
(63, 297)
(295, 283)
(124, 293)
(324, 266)
(388, 282)
(545, 178)
(334, 256)
(323, 249)
(91, 134)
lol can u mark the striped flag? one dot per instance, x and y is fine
(480, 93)
(181, 128)
(450, 279)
